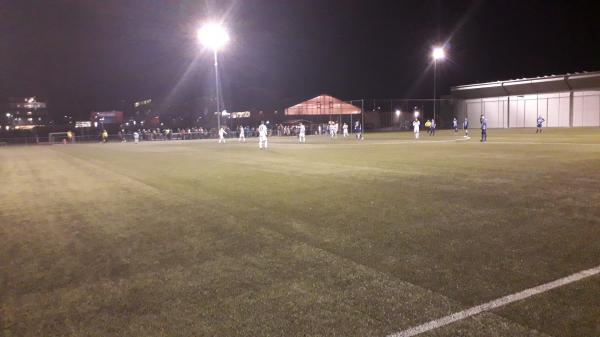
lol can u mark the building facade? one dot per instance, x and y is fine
(570, 100)
(25, 113)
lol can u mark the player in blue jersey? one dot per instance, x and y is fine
(540, 123)
(483, 129)
(358, 130)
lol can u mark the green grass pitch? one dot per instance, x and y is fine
(329, 238)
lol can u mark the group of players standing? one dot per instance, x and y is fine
(333, 127)
(263, 133)
(263, 140)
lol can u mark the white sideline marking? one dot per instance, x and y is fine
(496, 303)
(395, 142)
(540, 143)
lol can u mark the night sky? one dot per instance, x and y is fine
(95, 55)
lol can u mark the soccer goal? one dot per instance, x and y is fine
(57, 137)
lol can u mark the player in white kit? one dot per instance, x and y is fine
(262, 136)
(242, 134)
(222, 134)
(302, 133)
(332, 129)
(416, 125)
(136, 137)
(345, 129)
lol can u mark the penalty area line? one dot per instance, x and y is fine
(458, 316)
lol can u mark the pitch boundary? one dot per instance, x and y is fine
(458, 316)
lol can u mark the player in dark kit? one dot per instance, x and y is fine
(483, 129)
(358, 130)
(540, 123)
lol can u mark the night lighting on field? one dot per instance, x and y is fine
(438, 53)
(213, 35)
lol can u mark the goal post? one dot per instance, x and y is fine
(57, 137)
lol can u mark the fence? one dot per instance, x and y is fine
(398, 114)
(36, 140)
(377, 115)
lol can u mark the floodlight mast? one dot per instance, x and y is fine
(214, 36)
(438, 53)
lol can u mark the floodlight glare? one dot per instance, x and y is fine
(213, 35)
(398, 112)
(438, 53)
(416, 113)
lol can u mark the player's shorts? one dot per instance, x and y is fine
(539, 125)
(262, 138)
(416, 130)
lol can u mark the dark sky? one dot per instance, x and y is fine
(92, 55)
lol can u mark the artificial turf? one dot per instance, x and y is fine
(329, 238)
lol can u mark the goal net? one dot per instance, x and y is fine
(57, 137)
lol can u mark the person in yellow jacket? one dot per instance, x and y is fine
(428, 126)
(104, 136)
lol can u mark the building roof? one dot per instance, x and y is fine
(533, 85)
(323, 105)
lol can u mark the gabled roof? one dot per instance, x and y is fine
(323, 105)
(553, 83)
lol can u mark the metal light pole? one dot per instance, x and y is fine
(434, 88)
(438, 53)
(214, 36)
(217, 89)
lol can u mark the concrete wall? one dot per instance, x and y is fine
(559, 109)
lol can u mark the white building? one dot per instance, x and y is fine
(571, 100)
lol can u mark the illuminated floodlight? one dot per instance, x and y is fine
(438, 53)
(8, 114)
(398, 112)
(416, 113)
(213, 35)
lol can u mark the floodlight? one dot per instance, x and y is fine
(438, 53)
(416, 113)
(398, 112)
(213, 35)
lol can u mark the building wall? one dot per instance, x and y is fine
(522, 110)
(24, 111)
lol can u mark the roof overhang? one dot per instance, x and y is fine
(529, 86)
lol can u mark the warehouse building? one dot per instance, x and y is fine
(571, 100)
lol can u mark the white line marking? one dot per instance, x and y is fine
(496, 303)
(390, 142)
(538, 143)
